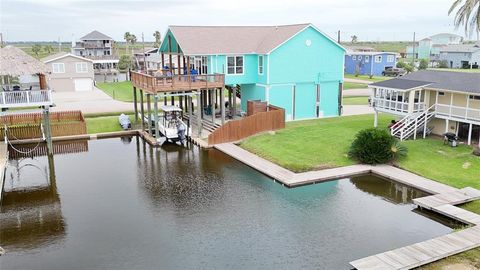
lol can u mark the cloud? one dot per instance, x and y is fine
(368, 19)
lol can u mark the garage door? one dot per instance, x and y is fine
(83, 85)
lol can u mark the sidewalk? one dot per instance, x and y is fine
(357, 92)
(356, 81)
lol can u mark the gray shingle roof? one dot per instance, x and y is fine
(444, 80)
(232, 39)
(95, 35)
(461, 48)
(400, 83)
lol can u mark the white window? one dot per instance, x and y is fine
(58, 68)
(390, 58)
(474, 97)
(81, 67)
(260, 64)
(367, 58)
(359, 57)
(354, 57)
(235, 65)
(378, 58)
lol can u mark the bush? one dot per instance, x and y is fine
(423, 64)
(125, 62)
(375, 146)
(443, 64)
(401, 64)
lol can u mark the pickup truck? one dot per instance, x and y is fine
(394, 72)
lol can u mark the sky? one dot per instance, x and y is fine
(369, 20)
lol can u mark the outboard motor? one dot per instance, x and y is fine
(450, 138)
(181, 132)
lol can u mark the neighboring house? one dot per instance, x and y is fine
(429, 47)
(99, 48)
(150, 56)
(369, 63)
(69, 72)
(449, 101)
(296, 67)
(461, 56)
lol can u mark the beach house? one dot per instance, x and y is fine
(296, 67)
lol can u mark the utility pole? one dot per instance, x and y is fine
(1, 40)
(338, 36)
(59, 45)
(144, 58)
(413, 50)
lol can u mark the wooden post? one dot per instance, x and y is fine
(234, 102)
(135, 103)
(185, 68)
(149, 115)
(178, 60)
(47, 130)
(172, 100)
(212, 105)
(190, 112)
(180, 102)
(222, 106)
(230, 100)
(142, 110)
(42, 81)
(164, 100)
(155, 111)
(375, 118)
(170, 55)
(199, 115)
(163, 61)
(469, 141)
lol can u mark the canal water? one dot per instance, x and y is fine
(120, 204)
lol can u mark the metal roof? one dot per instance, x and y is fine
(461, 48)
(170, 108)
(95, 35)
(435, 79)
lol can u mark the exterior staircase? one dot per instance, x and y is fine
(410, 124)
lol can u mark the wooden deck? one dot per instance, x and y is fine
(442, 202)
(176, 83)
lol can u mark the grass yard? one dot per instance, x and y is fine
(122, 91)
(104, 123)
(367, 78)
(350, 85)
(323, 143)
(355, 100)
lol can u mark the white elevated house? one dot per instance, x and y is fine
(440, 101)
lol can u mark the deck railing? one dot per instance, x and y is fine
(235, 130)
(396, 106)
(176, 82)
(457, 112)
(26, 98)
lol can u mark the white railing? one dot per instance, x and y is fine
(396, 106)
(458, 112)
(26, 98)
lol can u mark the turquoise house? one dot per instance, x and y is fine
(296, 67)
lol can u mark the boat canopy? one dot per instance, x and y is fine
(170, 108)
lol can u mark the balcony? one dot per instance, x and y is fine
(396, 107)
(27, 98)
(176, 83)
(457, 113)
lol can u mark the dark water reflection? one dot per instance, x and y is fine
(125, 205)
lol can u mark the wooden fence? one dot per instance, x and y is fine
(272, 119)
(28, 125)
(41, 150)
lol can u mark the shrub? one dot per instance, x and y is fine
(125, 62)
(401, 64)
(443, 64)
(423, 64)
(375, 146)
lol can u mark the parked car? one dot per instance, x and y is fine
(394, 72)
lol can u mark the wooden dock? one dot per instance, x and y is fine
(442, 201)
(3, 166)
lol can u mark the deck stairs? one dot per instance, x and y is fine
(206, 124)
(412, 123)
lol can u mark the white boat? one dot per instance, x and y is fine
(170, 125)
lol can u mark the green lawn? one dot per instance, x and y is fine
(367, 78)
(323, 143)
(122, 91)
(100, 124)
(351, 100)
(349, 85)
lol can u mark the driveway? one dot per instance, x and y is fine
(357, 109)
(95, 101)
(357, 92)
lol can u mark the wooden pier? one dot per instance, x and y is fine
(443, 202)
(3, 165)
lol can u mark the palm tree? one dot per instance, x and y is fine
(127, 37)
(467, 14)
(354, 39)
(158, 39)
